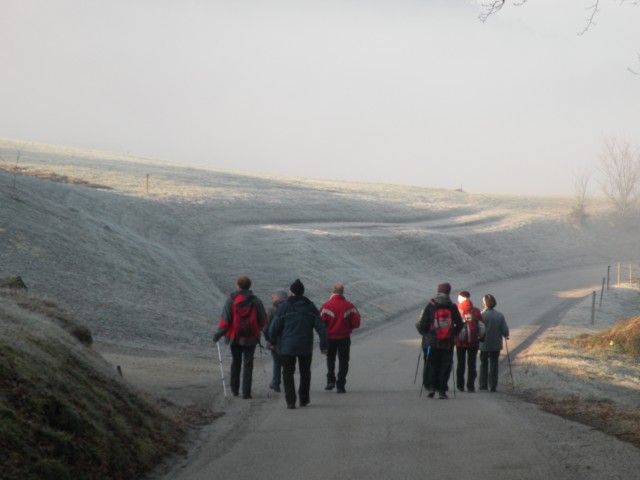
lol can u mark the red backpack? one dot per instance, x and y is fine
(473, 328)
(442, 324)
(245, 312)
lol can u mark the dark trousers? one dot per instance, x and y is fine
(466, 357)
(242, 360)
(288, 369)
(277, 370)
(340, 347)
(439, 368)
(488, 370)
(425, 370)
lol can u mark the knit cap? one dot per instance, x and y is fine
(297, 288)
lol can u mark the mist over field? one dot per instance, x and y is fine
(152, 269)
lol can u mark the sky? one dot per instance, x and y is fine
(415, 92)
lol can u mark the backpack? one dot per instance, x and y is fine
(246, 314)
(442, 324)
(473, 328)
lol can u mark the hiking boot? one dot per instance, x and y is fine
(291, 406)
(443, 396)
(276, 388)
(431, 394)
(247, 396)
(304, 404)
(330, 386)
(471, 390)
(341, 390)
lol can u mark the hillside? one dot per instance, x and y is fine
(148, 271)
(152, 270)
(65, 413)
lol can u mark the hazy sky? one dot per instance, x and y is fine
(403, 91)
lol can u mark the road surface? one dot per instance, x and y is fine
(383, 428)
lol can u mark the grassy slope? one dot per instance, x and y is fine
(64, 414)
(588, 374)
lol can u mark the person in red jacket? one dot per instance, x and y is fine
(468, 341)
(340, 317)
(241, 322)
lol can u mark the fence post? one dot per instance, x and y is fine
(630, 279)
(619, 267)
(593, 307)
(608, 276)
(601, 293)
(146, 189)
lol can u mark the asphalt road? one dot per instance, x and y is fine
(384, 428)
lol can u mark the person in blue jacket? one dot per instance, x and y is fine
(292, 328)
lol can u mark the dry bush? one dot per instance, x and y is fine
(622, 338)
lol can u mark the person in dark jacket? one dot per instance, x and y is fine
(496, 329)
(440, 322)
(468, 341)
(292, 328)
(277, 298)
(241, 322)
(340, 317)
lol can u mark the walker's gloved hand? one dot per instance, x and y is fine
(216, 337)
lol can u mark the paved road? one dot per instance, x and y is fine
(383, 428)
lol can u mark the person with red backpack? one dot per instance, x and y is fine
(468, 341)
(241, 322)
(440, 322)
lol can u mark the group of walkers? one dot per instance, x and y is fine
(288, 327)
(289, 323)
(443, 325)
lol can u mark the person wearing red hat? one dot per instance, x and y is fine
(439, 323)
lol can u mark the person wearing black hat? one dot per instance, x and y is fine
(439, 323)
(293, 326)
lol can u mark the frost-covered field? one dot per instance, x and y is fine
(152, 270)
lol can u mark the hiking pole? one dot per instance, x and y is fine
(224, 388)
(506, 344)
(417, 365)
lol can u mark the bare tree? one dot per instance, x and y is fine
(620, 166)
(580, 187)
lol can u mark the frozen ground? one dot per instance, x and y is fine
(152, 270)
(148, 272)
